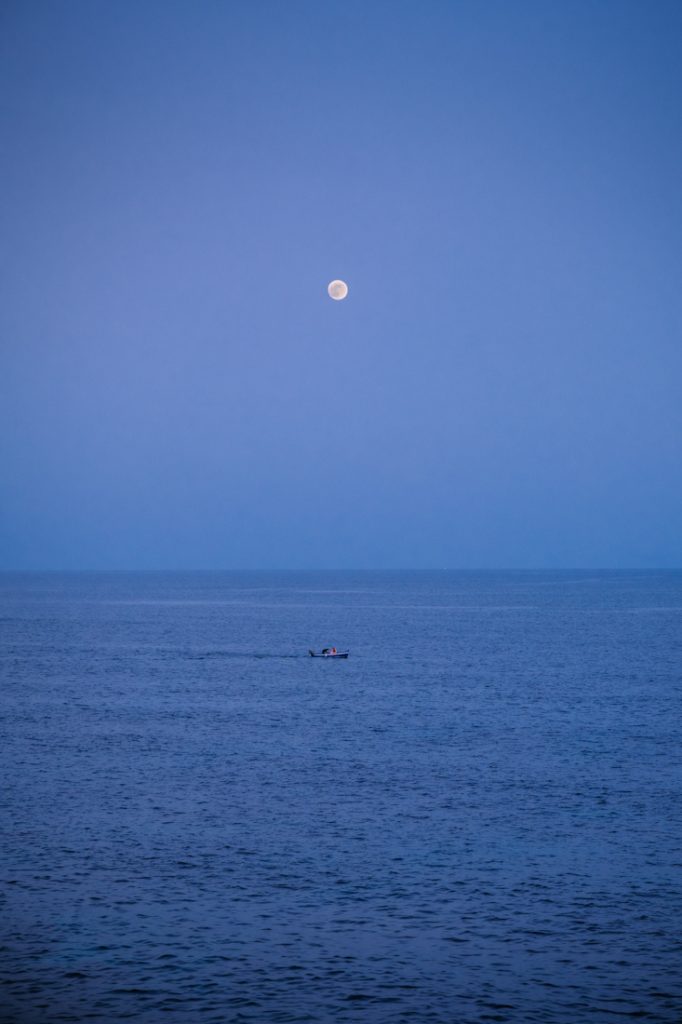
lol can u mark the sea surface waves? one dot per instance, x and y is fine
(476, 817)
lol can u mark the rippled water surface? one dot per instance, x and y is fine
(474, 818)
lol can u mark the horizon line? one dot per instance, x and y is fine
(461, 569)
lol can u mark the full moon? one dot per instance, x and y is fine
(337, 290)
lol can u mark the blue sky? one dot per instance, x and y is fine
(498, 183)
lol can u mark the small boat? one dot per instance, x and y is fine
(329, 652)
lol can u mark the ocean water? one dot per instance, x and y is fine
(476, 817)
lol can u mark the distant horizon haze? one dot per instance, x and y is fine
(350, 570)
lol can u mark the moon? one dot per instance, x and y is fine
(337, 290)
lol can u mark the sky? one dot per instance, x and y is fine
(499, 184)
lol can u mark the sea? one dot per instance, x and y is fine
(476, 817)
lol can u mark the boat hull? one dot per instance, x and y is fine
(343, 654)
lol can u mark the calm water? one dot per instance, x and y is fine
(477, 817)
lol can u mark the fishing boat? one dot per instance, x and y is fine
(329, 652)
